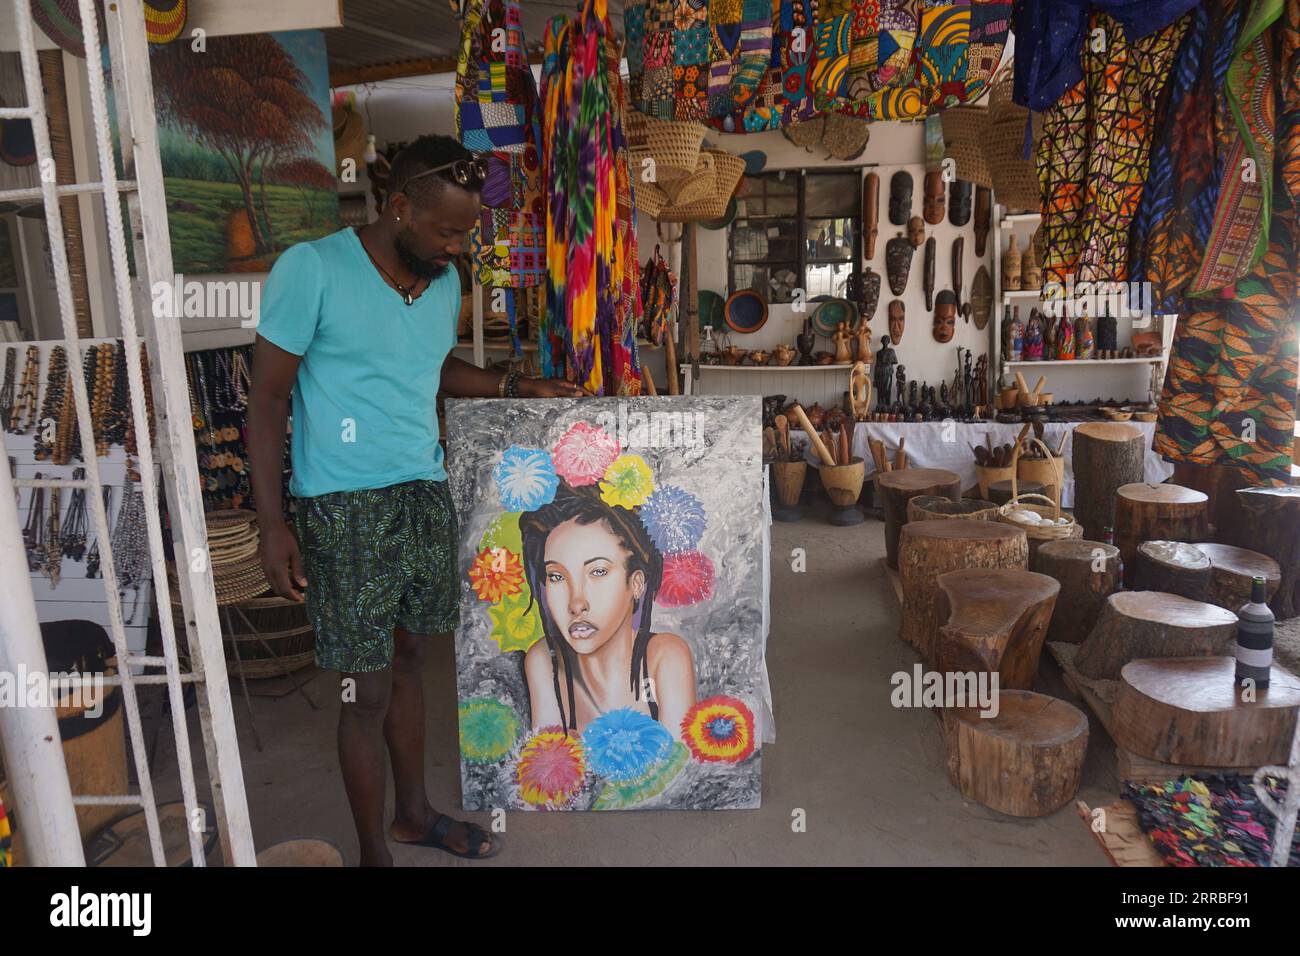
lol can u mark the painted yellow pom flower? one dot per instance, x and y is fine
(515, 627)
(628, 482)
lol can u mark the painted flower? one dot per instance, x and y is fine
(525, 479)
(488, 729)
(625, 744)
(687, 579)
(515, 625)
(627, 482)
(719, 729)
(550, 768)
(496, 573)
(674, 519)
(503, 532)
(584, 454)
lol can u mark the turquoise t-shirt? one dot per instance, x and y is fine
(363, 403)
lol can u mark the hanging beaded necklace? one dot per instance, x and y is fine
(26, 405)
(92, 556)
(130, 551)
(119, 415)
(7, 390)
(89, 370)
(52, 406)
(34, 530)
(74, 526)
(53, 566)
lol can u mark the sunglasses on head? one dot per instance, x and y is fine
(471, 173)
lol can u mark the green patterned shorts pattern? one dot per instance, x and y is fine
(376, 560)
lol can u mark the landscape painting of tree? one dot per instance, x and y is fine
(247, 148)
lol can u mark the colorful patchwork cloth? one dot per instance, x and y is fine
(1229, 396)
(1093, 155)
(768, 63)
(1172, 225)
(1209, 821)
(6, 839)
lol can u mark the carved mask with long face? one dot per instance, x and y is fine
(945, 316)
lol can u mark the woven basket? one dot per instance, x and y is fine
(964, 130)
(650, 199)
(698, 185)
(1015, 179)
(634, 129)
(287, 633)
(728, 171)
(1049, 471)
(675, 147)
(1036, 532)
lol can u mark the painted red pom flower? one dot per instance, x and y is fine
(550, 768)
(688, 579)
(496, 573)
(583, 454)
(719, 729)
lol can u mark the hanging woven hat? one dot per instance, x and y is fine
(1014, 178)
(60, 20)
(164, 19)
(675, 148)
(698, 185)
(728, 170)
(964, 131)
(845, 137)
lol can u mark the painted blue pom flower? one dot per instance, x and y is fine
(674, 519)
(625, 744)
(525, 479)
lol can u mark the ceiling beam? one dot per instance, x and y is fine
(397, 38)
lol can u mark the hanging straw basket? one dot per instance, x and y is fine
(650, 199)
(964, 130)
(1015, 179)
(698, 185)
(675, 147)
(728, 171)
(1010, 513)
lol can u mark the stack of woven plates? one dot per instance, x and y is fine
(233, 549)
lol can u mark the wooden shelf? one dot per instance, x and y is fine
(1067, 363)
(1020, 217)
(532, 346)
(774, 368)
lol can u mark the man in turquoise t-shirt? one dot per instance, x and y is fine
(356, 329)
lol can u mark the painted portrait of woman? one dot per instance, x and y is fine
(594, 573)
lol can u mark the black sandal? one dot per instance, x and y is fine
(477, 837)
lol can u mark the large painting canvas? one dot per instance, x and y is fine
(247, 148)
(612, 555)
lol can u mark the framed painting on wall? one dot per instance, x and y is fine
(610, 653)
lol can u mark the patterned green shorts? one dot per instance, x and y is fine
(378, 560)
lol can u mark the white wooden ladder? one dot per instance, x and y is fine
(44, 807)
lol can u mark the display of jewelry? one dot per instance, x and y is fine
(130, 548)
(7, 390)
(219, 381)
(24, 415)
(92, 556)
(52, 406)
(34, 530)
(73, 539)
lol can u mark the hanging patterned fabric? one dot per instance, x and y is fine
(1288, 126)
(593, 304)
(1229, 396)
(1093, 155)
(497, 112)
(1240, 230)
(658, 298)
(1172, 224)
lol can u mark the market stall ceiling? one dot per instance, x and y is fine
(388, 33)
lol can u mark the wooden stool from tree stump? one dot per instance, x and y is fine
(1189, 710)
(1105, 456)
(1148, 624)
(897, 488)
(930, 548)
(1088, 572)
(1146, 512)
(1026, 762)
(1233, 571)
(1274, 518)
(996, 621)
(935, 508)
(1174, 567)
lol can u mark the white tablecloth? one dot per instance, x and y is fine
(947, 445)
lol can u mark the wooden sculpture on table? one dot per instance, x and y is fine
(863, 340)
(1011, 266)
(860, 391)
(841, 338)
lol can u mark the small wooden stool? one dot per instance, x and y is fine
(931, 548)
(1026, 762)
(1274, 517)
(897, 488)
(1145, 512)
(996, 621)
(1141, 624)
(1088, 572)
(1233, 571)
(1174, 567)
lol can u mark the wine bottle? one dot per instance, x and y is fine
(1255, 637)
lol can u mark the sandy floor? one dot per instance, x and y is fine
(870, 778)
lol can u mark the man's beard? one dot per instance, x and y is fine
(420, 268)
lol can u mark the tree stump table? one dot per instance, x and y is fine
(1088, 572)
(1174, 567)
(935, 508)
(1105, 456)
(1274, 518)
(897, 488)
(1026, 762)
(1146, 512)
(1188, 710)
(928, 549)
(996, 621)
(1233, 571)
(1142, 624)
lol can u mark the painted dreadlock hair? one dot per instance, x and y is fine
(586, 506)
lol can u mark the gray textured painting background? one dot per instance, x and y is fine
(725, 633)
